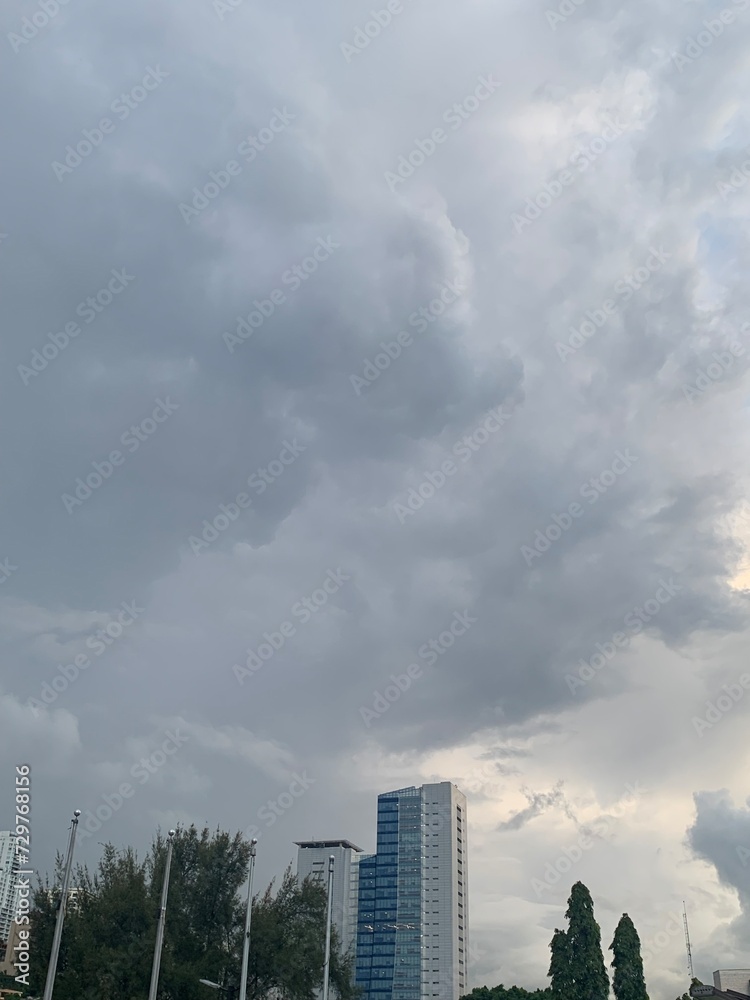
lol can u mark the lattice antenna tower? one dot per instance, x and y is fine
(687, 942)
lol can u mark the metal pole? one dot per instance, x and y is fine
(248, 918)
(52, 967)
(162, 919)
(327, 963)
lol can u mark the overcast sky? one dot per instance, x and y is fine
(333, 268)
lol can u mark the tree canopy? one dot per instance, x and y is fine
(110, 929)
(577, 967)
(628, 981)
(511, 993)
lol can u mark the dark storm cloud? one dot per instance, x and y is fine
(329, 344)
(720, 836)
(539, 802)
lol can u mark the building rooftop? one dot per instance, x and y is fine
(713, 991)
(328, 843)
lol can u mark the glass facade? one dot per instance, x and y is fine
(412, 927)
(389, 938)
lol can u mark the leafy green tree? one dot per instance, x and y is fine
(560, 967)
(577, 964)
(627, 981)
(511, 993)
(108, 940)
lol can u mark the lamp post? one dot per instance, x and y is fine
(52, 967)
(327, 962)
(248, 918)
(162, 919)
(229, 990)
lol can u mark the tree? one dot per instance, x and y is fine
(584, 944)
(577, 964)
(108, 939)
(560, 969)
(511, 993)
(628, 981)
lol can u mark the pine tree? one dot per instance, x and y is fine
(627, 981)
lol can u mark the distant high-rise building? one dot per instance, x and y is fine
(413, 923)
(9, 868)
(312, 860)
(8, 965)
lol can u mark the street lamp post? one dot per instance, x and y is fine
(229, 990)
(327, 962)
(248, 918)
(52, 967)
(162, 919)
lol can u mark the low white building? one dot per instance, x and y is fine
(733, 979)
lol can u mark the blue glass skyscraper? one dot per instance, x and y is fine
(412, 930)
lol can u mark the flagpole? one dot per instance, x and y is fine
(327, 963)
(162, 919)
(52, 967)
(248, 918)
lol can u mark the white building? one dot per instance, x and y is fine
(312, 860)
(733, 979)
(445, 896)
(9, 867)
(413, 934)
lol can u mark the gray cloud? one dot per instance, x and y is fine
(322, 177)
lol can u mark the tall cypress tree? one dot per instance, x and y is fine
(627, 981)
(560, 971)
(584, 947)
